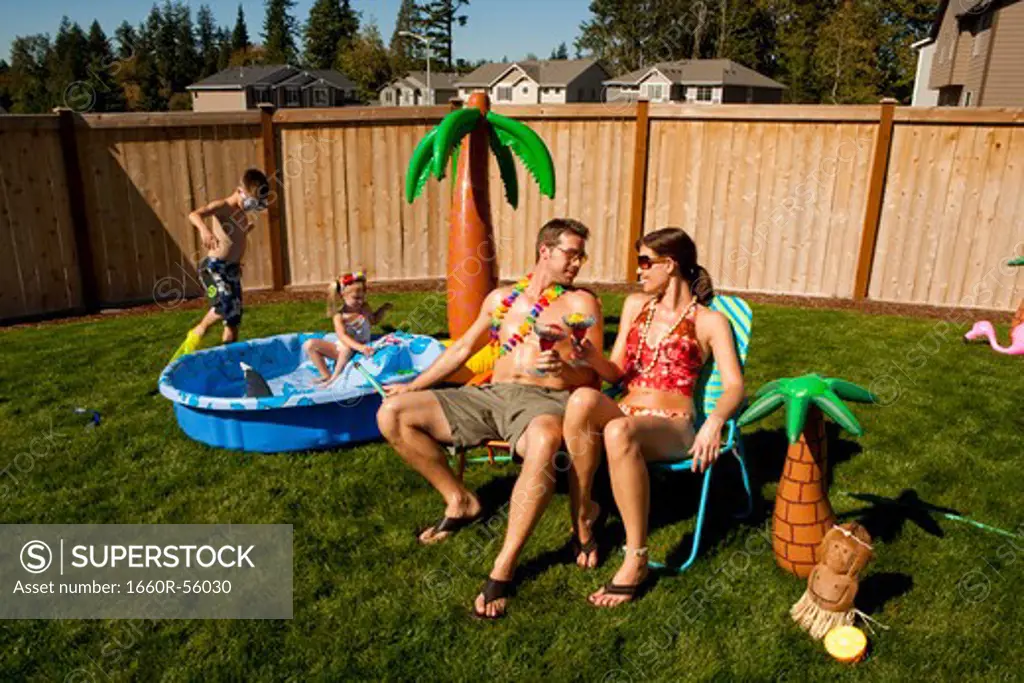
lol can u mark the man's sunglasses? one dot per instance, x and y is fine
(644, 262)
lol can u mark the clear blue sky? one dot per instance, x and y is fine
(496, 28)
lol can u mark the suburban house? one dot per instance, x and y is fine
(411, 91)
(710, 81)
(550, 81)
(973, 55)
(246, 87)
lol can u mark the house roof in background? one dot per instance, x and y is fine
(311, 77)
(701, 72)
(544, 72)
(240, 77)
(439, 80)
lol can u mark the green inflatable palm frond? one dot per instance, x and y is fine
(1019, 261)
(507, 167)
(450, 131)
(419, 166)
(799, 393)
(530, 149)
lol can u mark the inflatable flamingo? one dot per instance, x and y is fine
(984, 329)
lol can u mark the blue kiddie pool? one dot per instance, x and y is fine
(208, 392)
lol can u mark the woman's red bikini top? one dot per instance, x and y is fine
(674, 365)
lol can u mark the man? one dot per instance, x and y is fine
(523, 404)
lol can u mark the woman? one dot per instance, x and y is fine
(666, 334)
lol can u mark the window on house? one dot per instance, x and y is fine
(292, 98)
(655, 92)
(704, 93)
(320, 98)
(263, 94)
(526, 89)
(750, 95)
(504, 93)
(387, 96)
(967, 99)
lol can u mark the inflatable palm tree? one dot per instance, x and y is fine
(472, 266)
(803, 514)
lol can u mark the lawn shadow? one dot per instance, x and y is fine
(878, 589)
(675, 496)
(884, 518)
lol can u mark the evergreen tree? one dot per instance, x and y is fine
(224, 50)
(102, 68)
(560, 52)
(127, 39)
(209, 42)
(187, 59)
(279, 32)
(746, 34)
(29, 74)
(68, 78)
(405, 51)
(6, 100)
(796, 34)
(151, 55)
(332, 24)
(240, 36)
(366, 61)
(845, 55)
(437, 18)
(901, 23)
(629, 34)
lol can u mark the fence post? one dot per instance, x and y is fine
(639, 191)
(274, 207)
(876, 193)
(79, 215)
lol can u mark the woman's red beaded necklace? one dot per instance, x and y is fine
(549, 295)
(661, 342)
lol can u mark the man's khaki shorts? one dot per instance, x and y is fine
(500, 411)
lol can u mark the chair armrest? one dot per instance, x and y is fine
(730, 440)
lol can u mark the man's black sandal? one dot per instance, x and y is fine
(451, 525)
(494, 589)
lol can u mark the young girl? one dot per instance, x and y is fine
(352, 322)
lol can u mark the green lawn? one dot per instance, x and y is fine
(371, 604)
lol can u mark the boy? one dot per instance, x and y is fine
(221, 271)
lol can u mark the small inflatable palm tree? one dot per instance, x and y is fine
(803, 514)
(472, 265)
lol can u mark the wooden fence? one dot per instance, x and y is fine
(896, 204)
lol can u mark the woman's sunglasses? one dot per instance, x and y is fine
(644, 262)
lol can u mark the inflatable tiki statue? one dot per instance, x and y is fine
(472, 266)
(803, 514)
(832, 586)
(984, 330)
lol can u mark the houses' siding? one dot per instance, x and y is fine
(587, 86)
(218, 100)
(945, 50)
(693, 92)
(923, 95)
(978, 43)
(1004, 86)
(524, 88)
(656, 88)
(552, 95)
